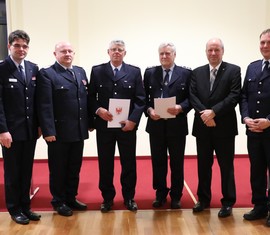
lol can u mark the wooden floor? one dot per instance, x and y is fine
(143, 222)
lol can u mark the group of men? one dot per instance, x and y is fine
(59, 104)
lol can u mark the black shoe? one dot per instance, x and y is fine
(225, 211)
(255, 214)
(131, 205)
(106, 206)
(32, 215)
(175, 204)
(77, 205)
(200, 206)
(268, 221)
(20, 218)
(159, 202)
(63, 210)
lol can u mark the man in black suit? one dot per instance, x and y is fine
(214, 93)
(64, 121)
(126, 83)
(167, 135)
(18, 126)
(255, 112)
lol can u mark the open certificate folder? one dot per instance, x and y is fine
(119, 108)
(162, 104)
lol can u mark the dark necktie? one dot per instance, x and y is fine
(213, 75)
(116, 73)
(165, 84)
(22, 73)
(72, 73)
(265, 69)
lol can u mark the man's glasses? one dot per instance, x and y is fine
(120, 50)
(18, 46)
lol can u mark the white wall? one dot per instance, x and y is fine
(143, 24)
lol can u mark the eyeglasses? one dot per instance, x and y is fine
(165, 54)
(120, 50)
(18, 46)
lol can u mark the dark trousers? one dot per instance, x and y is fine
(65, 160)
(126, 141)
(160, 147)
(259, 156)
(224, 148)
(18, 165)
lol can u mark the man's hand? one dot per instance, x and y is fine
(51, 138)
(153, 114)
(175, 110)
(6, 139)
(128, 125)
(105, 114)
(207, 117)
(257, 125)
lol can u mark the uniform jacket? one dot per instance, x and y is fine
(255, 96)
(127, 85)
(222, 99)
(62, 103)
(178, 87)
(17, 101)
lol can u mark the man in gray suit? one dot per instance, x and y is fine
(214, 93)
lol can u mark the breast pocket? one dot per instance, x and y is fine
(252, 86)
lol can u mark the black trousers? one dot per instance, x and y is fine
(161, 146)
(224, 149)
(18, 165)
(259, 156)
(65, 160)
(106, 142)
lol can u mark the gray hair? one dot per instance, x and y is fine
(167, 44)
(267, 31)
(117, 42)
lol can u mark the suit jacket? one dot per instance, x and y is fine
(62, 103)
(255, 96)
(222, 99)
(127, 85)
(178, 87)
(17, 101)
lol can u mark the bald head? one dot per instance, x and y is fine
(64, 53)
(214, 51)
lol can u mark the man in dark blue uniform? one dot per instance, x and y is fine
(18, 126)
(255, 112)
(167, 136)
(63, 116)
(126, 83)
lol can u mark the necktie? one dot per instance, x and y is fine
(116, 72)
(72, 73)
(265, 68)
(22, 73)
(165, 84)
(212, 78)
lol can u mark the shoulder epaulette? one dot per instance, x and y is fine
(185, 67)
(255, 61)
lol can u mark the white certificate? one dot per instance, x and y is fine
(162, 104)
(119, 108)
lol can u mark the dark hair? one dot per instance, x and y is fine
(265, 32)
(18, 34)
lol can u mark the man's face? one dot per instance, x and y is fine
(166, 57)
(265, 45)
(214, 52)
(117, 53)
(64, 54)
(18, 49)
